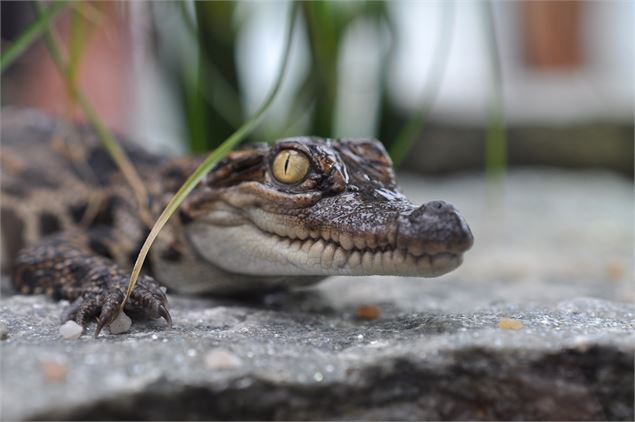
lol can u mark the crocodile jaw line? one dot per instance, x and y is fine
(246, 249)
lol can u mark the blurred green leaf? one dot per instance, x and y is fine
(27, 38)
(222, 96)
(327, 23)
(217, 73)
(496, 138)
(77, 42)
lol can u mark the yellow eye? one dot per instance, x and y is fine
(290, 166)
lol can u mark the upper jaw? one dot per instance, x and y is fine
(355, 225)
(348, 243)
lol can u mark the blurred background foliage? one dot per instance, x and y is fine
(524, 83)
(213, 99)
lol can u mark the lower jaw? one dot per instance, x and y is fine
(395, 263)
(310, 257)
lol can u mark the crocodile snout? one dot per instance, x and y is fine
(434, 227)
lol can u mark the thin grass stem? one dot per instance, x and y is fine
(231, 142)
(496, 138)
(27, 38)
(107, 140)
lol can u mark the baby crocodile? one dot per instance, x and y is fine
(267, 216)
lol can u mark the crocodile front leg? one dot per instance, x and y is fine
(77, 267)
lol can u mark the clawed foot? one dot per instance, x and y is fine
(103, 298)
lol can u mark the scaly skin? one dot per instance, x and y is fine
(266, 217)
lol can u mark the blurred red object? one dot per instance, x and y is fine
(104, 75)
(552, 33)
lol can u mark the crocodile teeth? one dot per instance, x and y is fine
(416, 249)
(371, 242)
(339, 259)
(315, 252)
(341, 253)
(301, 234)
(387, 261)
(327, 255)
(306, 246)
(360, 243)
(367, 259)
(355, 259)
(346, 241)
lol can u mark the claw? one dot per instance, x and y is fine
(164, 297)
(109, 310)
(163, 312)
(100, 324)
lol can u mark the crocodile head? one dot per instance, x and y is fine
(314, 207)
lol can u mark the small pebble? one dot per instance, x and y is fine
(71, 330)
(220, 359)
(368, 312)
(616, 270)
(54, 371)
(510, 324)
(121, 324)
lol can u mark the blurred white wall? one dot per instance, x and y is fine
(602, 89)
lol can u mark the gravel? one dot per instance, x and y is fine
(71, 330)
(537, 324)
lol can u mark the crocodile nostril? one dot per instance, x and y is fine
(437, 205)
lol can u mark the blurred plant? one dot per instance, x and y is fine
(326, 24)
(212, 98)
(214, 104)
(496, 138)
(209, 91)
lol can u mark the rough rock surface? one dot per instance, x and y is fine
(552, 259)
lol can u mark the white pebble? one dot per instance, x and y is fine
(71, 330)
(220, 359)
(121, 324)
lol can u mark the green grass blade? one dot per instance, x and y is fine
(78, 37)
(231, 142)
(411, 130)
(27, 38)
(496, 138)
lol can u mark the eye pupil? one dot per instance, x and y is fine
(290, 166)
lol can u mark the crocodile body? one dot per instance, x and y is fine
(267, 216)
